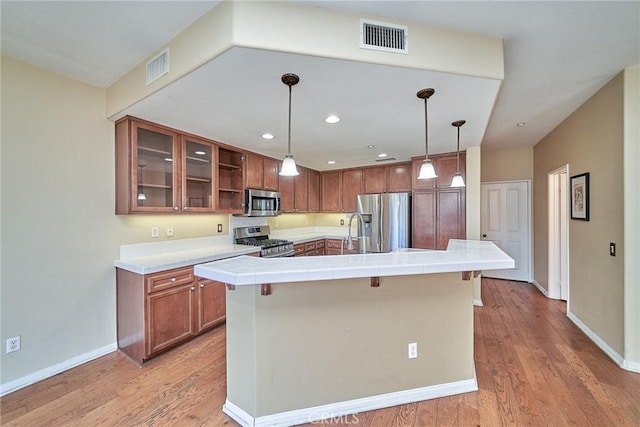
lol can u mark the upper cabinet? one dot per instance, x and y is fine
(314, 190)
(387, 179)
(352, 185)
(330, 191)
(261, 172)
(159, 170)
(294, 192)
(230, 181)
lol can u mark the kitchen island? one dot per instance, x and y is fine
(323, 337)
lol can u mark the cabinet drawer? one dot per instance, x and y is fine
(298, 249)
(310, 246)
(319, 244)
(167, 279)
(333, 244)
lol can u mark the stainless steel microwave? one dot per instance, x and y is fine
(261, 203)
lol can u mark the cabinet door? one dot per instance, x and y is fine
(451, 216)
(314, 191)
(375, 180)
(211, 304)
(170, 317)
(424, 231)
(254, 171)
(330, 191)
(271, 167)
(351, 187)
(155, 162)
(445, 169)
(301, 188)
(399, 178)
(198, 170)
(287, 193)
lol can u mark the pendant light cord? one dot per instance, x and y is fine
(426, 131)
(289, 137)
(458, 153)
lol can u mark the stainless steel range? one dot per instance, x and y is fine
(259, 236)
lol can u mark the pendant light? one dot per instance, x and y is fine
(458, 180)
(141, 195)
(426, 169)
(288, 164)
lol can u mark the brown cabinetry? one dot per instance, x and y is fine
(315, 248)
(159, 311)
(294, 192)
(352, 185)
(340, 247)
(314, 191)
(261, 172)
(230, 169)
(439, 211)
(388, 179)
(330, 191)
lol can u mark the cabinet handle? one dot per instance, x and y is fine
(173, 279)
(185, 208)
(201, 285)
(193, 288)
(175, 208)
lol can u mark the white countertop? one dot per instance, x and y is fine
(176, 259)
(146, 258)
(461, 255)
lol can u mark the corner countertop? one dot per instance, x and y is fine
(461, 255)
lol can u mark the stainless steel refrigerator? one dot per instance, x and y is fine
(387, 221)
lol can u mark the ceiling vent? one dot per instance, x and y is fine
(382, 36)
(386, 159)
(158, 66)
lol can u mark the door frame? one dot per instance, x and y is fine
(558, 241)
(529, 217)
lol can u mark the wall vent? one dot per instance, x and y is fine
(158, 66)
(383, 36)
(386, 159)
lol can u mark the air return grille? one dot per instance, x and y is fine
(158, 66)
(382, 36)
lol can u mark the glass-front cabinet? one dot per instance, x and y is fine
(159, 170)
(155, 168)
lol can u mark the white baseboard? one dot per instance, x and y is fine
(348, 410)
(540, 288)
(45, 373)
(617, 358)
(478, 303)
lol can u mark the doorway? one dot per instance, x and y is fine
(506, 221)
(558, 184)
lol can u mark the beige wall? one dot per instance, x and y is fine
(508, 164)
(60, 235)
(590, 140)
(303, 345)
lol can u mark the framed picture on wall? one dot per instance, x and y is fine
(580, 197)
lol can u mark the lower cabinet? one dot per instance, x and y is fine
(340, 247)
(438, 215)
(159, 311)
(315, 248)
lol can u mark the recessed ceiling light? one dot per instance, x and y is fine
(381, 155)
(520, 124)
(267, 136)
(331, 162)
(370, 146)
(332, 119)
(200, 153)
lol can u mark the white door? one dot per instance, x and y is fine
(505, 220)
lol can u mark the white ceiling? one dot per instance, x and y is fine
(557, 54)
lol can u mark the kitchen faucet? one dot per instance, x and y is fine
(361, 248)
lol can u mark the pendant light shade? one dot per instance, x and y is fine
(427, 170)
(141, 195)
(458, 180)
(288, 164)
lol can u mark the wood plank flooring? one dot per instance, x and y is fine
(534, 368)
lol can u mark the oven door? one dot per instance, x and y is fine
(261, 203)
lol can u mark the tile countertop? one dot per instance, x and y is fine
(461, 255)
(147, 258)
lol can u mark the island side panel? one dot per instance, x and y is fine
(324, 342)
(241, 346)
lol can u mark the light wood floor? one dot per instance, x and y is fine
(534, 367)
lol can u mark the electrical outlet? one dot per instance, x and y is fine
(342, 222)
(13, 344)
(612, 249)
(413, 350)
(219, 228)
(169, 231)
(154, 232)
